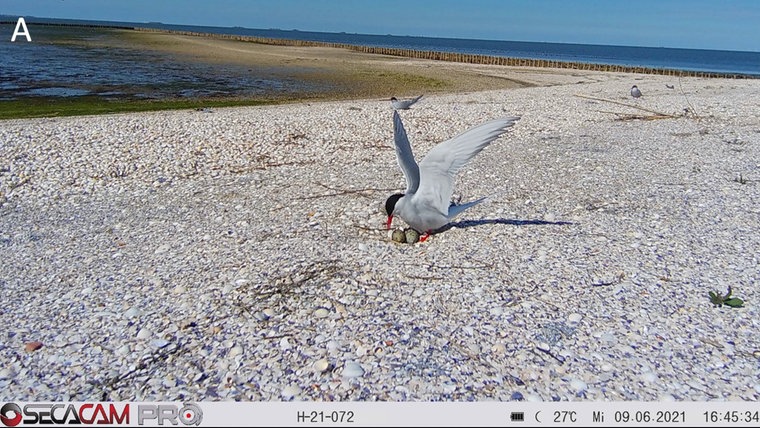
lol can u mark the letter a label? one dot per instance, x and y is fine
(25, 33)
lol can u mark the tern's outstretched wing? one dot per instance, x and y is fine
(438, 169)
(405, 156)
(412, 101)
(403, 104)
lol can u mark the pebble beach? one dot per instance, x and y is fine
(241, 253)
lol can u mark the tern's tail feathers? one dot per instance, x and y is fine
(456, 209)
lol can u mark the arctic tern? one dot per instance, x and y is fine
(426, 205)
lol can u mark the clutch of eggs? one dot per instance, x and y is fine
(408, 236)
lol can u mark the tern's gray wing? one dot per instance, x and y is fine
(412, 101)
(404, 155)
(440, 166)
(404, 104)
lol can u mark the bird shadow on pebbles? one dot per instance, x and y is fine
(512, 222)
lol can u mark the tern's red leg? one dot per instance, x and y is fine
(425, 236)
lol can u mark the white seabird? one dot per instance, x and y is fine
(403, 104)
(426, 205)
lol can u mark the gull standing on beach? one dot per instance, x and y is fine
(403, 104)
(426, 205)
(635, 92)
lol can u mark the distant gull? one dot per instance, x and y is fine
(403, 104)
(635, 93)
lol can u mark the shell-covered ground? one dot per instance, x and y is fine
(241, 253)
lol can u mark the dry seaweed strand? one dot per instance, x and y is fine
(693, 110)
(342, 192)
(655, 114)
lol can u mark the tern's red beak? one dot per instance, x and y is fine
(388, 223)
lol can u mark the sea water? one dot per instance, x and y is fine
(77, 61)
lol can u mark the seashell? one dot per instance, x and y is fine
(321, 365)
(32, 346)
(264, 315)
(132, 312)
(352, 369)
(7, 373)
(235, 351)
(578, 385)
(159, 343)
(290, 391)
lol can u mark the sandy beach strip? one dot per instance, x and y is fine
(240, 253)
(211, 72)
(345, 74)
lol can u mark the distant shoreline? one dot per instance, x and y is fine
(426, 54)
(461, 57)
(67, 24)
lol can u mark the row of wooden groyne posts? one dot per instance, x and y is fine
(458, 57)
(445, 56)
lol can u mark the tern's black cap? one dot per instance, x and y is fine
(390, 204)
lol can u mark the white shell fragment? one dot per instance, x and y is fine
(290, 391)
(352, 369)
(321, 365)
(321, 313)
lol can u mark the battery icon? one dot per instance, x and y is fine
(517, 416)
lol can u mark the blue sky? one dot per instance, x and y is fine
(701, 24)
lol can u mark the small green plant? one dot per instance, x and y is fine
(718, 299)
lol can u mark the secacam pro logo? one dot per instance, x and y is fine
(13, 414)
